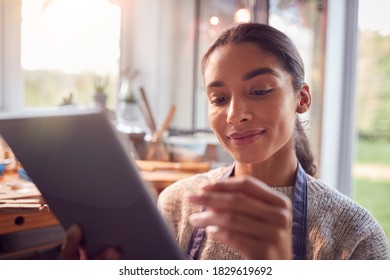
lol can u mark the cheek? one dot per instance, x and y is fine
(279, 114)
(216, 118)
(286, 118)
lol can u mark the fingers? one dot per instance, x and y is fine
(254, 239)
(70, 248)
(110, 253)
(234, 222)
(242, 204)
(247, 215)
(252, 187)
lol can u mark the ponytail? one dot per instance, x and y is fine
(302, 149)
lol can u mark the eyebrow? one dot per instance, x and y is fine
(259, 71)
(248, 76)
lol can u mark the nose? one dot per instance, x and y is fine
(238, 112)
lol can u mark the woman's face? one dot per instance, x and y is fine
(252, 104)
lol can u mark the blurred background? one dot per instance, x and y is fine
(100, 52)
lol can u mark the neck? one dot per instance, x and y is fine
(274, 172)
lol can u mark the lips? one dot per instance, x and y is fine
(245, 137)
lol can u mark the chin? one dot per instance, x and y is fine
(248, 158)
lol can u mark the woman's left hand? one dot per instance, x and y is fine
(248, 216)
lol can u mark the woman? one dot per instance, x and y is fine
(267, 205)
(254, 80)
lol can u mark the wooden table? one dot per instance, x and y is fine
(21, 206)
(161, 174)
(22, 210)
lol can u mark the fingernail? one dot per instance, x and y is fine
(212, 229)
(194, 219)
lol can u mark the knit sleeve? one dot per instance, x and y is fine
(339, 228)
(169, 206)
(373, 247)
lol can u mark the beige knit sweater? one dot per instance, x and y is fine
(338, 228)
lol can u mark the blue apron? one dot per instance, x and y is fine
(299, 227)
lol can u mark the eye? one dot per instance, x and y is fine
(260, 92)
(218, 100)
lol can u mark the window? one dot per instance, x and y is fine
(68, 47)
(372, 165)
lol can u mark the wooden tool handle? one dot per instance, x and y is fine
(166, 123)
(148, 110)
(157, 137)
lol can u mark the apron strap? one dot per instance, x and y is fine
(195, 242)
(299, 227)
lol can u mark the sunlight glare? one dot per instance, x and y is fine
(242, 15)
(374, 16)
(70, 35)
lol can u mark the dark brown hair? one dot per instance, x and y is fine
(280, 45)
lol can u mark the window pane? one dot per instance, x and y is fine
(372, 165)
(67, 46)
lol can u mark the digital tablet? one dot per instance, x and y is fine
(86, 175)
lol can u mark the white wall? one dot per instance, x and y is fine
(182, 26)
(141, 43)
(11, 79)
(153, 45)
(1, 56)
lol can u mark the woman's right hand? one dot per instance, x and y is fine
(245, 214)
(71, 249)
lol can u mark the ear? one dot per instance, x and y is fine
(303, 99)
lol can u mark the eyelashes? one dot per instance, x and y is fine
(262, 92)
(221, 99)
(218, 100)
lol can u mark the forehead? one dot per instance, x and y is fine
(239, 57)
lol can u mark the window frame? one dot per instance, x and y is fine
(338, 125)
